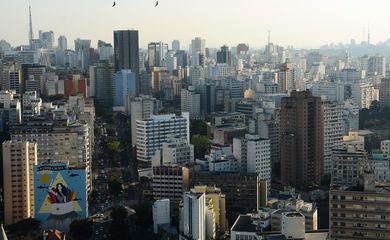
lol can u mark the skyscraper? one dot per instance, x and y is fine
(194, 215)
(333, 131)
(175, 45)
(224, 56)
(198, 45)
(384, 93)
(301, 139)
(126, 50)
(104, 83)
(157, 54)
(62, 43)
(19, 159)
(125, 85)
(154, 131)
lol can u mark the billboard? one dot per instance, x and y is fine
(60, 195)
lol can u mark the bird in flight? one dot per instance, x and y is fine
(114, 4)
(156, 4)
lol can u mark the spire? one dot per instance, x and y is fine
(30, 34)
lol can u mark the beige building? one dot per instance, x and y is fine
(360, 211)
(58, 141)
(19, 159)
(216, 202)
(353, 140)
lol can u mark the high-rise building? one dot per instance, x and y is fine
(194, 216)
(198, 46)
(126, 51)
(384, 93)
(175, 45)
(58, 141)
(19, 159)
(125, 86)
(62, 43)
(12, 79)
(161, 213)
(154, 131)
(224, 55)
(141, 107)
(169, 182)
(377, 66)
(254, 156)
(287, 78)
(216, 222)
(301, 139)
(157, 54)
(333, 131)
(360, 211)
(174, 151)
(104, 83)
(190, 101)
(106, 51)
(82, 49)
(347, 165)
(46, 39)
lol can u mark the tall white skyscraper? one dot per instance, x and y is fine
(194, 216)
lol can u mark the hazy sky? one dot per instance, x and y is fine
(301, 23)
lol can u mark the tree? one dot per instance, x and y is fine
(81, 229)
(114, 187)
(198, 126)
(201, 144)
(24, 227)
(114, 152)
(119, 214)
(119, 227)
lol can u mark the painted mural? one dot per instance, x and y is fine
(60, 195)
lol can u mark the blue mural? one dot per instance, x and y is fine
(60, 195)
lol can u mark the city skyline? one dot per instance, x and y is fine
(184, 20)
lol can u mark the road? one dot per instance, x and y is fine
(102, 201)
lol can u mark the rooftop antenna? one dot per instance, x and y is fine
(30, 34)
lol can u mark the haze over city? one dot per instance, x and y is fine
(301, 23)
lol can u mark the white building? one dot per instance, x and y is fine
(254, 155)
(174, 151)
(293, 225)
(161, 213)
(190, 102)
(364, 94)
(194, 216)
(154, 131)
(6, 97)
(385, 147)
(141, 107)
(333, 131)
(31, 105)
(350, 116)
(377, 66)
